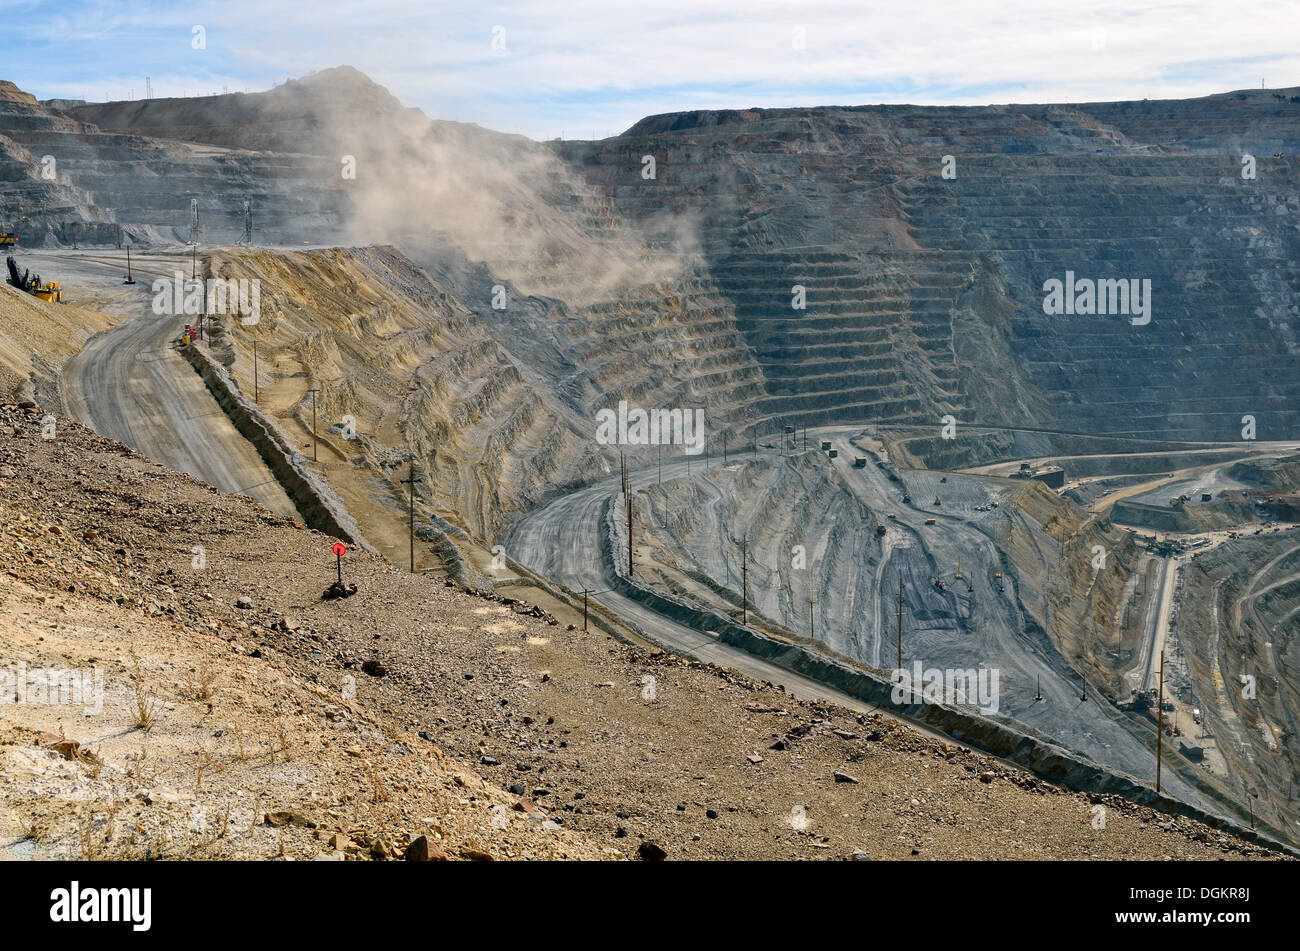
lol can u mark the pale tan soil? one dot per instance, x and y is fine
(34, 330)
(98, 561)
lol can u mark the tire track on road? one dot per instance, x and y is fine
(129, 384)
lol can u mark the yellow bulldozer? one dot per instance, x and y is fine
(7, 240)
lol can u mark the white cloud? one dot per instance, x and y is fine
(579, 65)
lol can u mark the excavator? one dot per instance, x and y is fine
(47, 290)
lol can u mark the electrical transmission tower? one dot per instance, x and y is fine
(247, 237)
(194, 221)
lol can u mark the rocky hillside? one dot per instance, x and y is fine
(36, 338)
(497, 407)
(691, 533)
(924, 275)
(243, 716)
(1241, 624)
(64, 180)
(922, 278)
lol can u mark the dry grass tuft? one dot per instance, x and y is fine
(144, 709)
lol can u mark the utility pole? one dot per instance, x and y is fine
(812, 624)
(1160, 719)
(724, 449)
(203, 294)
(628, 496)
(627, 502)
(584, 609)
(900, 622)
(314, 440)
(744, 579)
(194, 261)
(660, 481)
(256, 390)
(411, 480)
(755, 456)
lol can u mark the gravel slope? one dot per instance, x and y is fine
(710, 764)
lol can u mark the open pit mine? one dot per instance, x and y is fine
(985, 419)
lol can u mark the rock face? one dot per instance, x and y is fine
(497, 406)
(925, 293)
(123, 174)
(1242, 607)
(690, 547)
(37, 196)
(64, 180)
(922, 279)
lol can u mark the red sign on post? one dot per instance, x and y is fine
(339, 550)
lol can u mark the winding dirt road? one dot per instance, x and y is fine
(561, 541)
(129, 384)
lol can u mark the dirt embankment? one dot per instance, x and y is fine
(396, 364)
(1239, 629)
(475, 722)
(1226, 512)
(1077, 568)
(310, 493)
(36, 338)
(1035, 752)
(1275, 474)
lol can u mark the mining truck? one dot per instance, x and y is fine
(7, 240)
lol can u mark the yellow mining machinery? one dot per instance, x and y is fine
(49, 291)
(45, 290)
(7, 240)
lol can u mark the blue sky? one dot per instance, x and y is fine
(583, 67)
